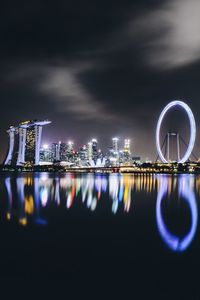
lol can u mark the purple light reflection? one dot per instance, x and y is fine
(172, 241)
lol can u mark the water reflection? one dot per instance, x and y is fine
(186, 193)
(31, 195)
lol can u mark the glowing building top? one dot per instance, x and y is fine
(34, 122)
(127, 145)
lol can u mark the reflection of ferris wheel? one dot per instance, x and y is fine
(190, 146)
(174, 242)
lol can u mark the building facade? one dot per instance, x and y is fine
(24, 143)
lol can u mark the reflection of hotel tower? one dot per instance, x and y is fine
(24, 143)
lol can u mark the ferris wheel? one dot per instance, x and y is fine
(189, 146)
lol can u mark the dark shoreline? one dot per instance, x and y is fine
(146, 168)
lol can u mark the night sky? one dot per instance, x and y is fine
(99, 68)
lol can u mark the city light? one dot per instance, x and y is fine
(192, 130)
(25, 150)
(174, 242)
(27, 137)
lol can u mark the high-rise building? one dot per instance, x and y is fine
(30, 145)
(113, 154)
(89, 151)
(55, 149)
(127, 145)
(83, 153)
(63, 151)
(25, 140)
(115, 144)
(70, 152)
(126, 152)
(70, 147)
(46, 154)
(94, 150)
(15, 159)
(22, 130)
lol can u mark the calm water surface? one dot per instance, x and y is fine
(136, 236)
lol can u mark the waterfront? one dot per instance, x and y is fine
(143, 168)
(127, 233)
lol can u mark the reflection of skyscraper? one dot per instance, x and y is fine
(25, 141)
(27, 194)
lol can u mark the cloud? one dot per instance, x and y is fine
(65, 90)
(169, 35)
(60, 86)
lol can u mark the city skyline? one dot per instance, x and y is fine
(102, 72)
(26, 149)
(26, 145)
(100, 148)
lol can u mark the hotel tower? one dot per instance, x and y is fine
(24, 143)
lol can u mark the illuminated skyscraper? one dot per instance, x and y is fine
(113, 154)
(25, 140)
(126, 152)
(13, 146)
(55, 151)
(70, 153)
(94, 150)
(46, 154)
(70, 147)
(22, 144)
(89, 151)
(63, 151)
(83, 153)
(127, 145)
(30, 145)
(115, 144)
